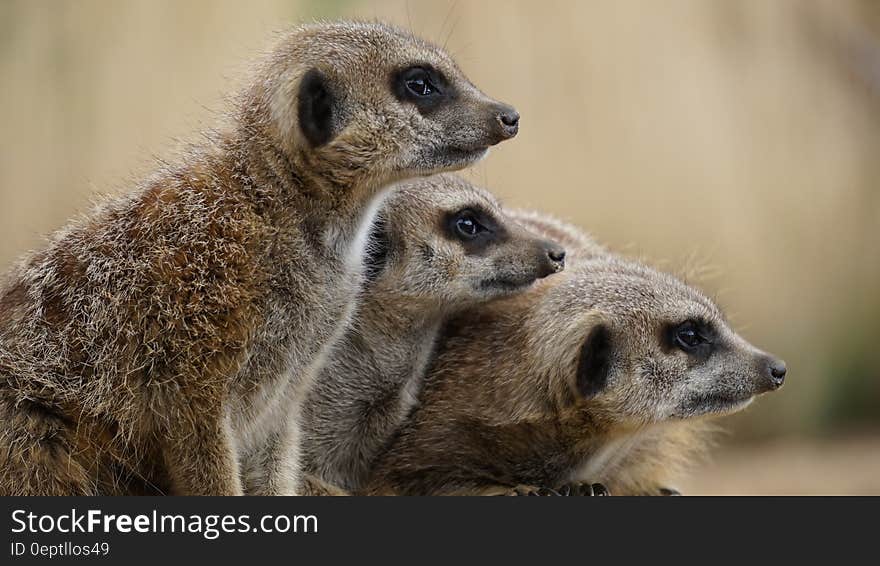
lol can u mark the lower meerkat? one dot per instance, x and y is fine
(439, 245)
(164, 339)
(601, 374)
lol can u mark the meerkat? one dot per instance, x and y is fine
(605, 374)
(438, 245)
(168, 333)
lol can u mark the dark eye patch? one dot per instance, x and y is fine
(468, 226)
(694, 337)
(422, 85)
(419, 84)
(474, 228)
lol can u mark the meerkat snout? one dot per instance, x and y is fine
(438, 103)
(557, 254)
(774, 373)
(553, 258)
(530, 257)
(507, 119)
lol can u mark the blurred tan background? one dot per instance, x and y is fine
(739, 140)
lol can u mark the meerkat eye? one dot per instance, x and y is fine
(419, 83)
(687, 336)
(467, 226)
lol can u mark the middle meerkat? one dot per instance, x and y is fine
(438, 246)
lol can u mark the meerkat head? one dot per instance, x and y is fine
(642, 347)
(444, 240)
(372, 103)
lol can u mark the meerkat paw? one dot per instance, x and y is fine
(583, 489)
(530, 491)
(573, 489)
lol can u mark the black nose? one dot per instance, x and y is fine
(507, 120)
(777, 371)
(554, 259)
(557, 255)
(510, 118)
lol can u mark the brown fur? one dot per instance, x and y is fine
(155, 344)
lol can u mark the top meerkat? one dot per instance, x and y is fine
(159, 340)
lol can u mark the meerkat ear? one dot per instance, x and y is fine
(594, 363)
(315, 108)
